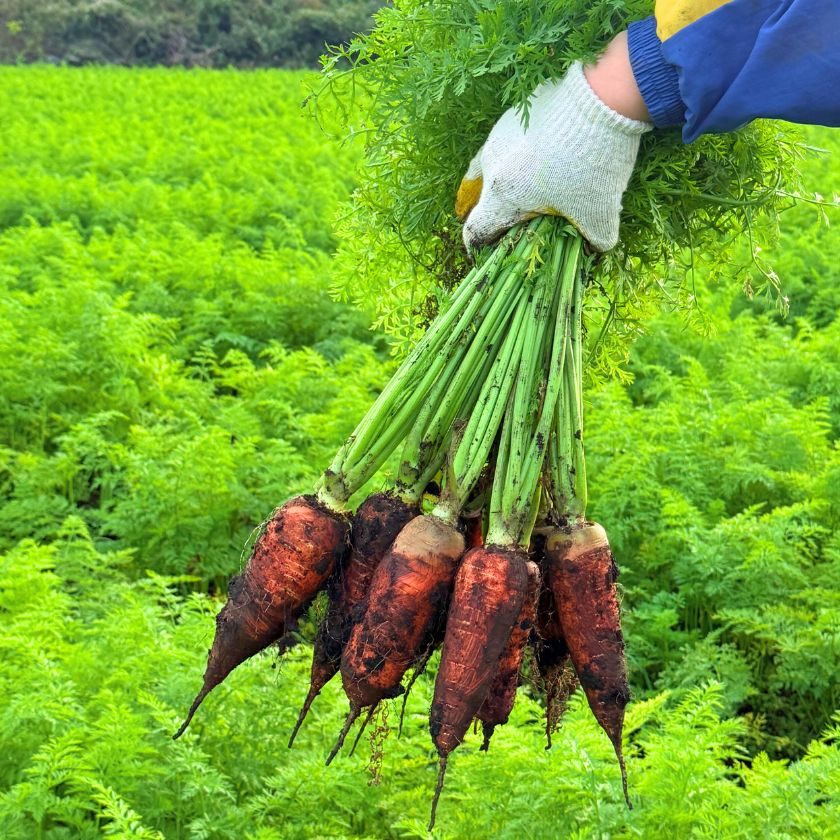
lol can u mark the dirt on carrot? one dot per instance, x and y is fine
(408, 590)
(376, 524)
(498, 704)
(290, 563)
(583, 575)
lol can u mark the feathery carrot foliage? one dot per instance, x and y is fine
(171, 365)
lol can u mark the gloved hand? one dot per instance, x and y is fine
(574, 160)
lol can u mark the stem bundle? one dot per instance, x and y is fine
(489, 408)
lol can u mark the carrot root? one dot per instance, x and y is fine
(409, 590)
(290, 563)
(438, 790)
(351, 718)
(583, 574)
(498, 704)
(490, 588)
(307, 705)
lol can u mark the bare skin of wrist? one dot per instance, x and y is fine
(612, 80)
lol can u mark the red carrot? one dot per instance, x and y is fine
(376, 524)
(289, 565)
(583, 575)
(490, 588)
(408, 589)
(498, 704)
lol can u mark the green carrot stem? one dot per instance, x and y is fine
(568, 463)
(425, 450)
(578, 337)
(531, 366)
(463, 472)
(416, 452)
(478, 438)
(536, 508)
(367, 454)
(537, 351)
(518, 483)
(562, 485)
(425, 447)
(522, 411)
(574, 380)
(377, 436)
(447, 422)
(483, 423)
(500, 469)
(372, 450)
(444, 331)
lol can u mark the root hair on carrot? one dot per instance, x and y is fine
(438, 790)
(351, 718)
(365, 722)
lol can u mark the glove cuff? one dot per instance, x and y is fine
(596, 152)
(576, 90)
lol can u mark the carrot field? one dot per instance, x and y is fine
(180, 351)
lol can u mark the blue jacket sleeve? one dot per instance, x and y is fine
(714, 65)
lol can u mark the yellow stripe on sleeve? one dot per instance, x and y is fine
(674, 15)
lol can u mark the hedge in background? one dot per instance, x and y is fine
(210, 33)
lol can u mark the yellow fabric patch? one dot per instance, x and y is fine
(468, 194)
(674, 15)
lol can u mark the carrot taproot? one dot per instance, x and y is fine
(557, 680)
(409, 587)
(290, 563)
(498, 704)
(434, 641)
(490, 588)
(555, 676)
(363, 727)
(376, 524)
(583, 575)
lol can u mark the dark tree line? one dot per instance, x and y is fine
(212, 33)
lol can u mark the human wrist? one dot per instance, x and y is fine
(613, 82)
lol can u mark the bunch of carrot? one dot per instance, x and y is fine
(487, 410)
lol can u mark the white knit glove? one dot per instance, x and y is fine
(574, 160)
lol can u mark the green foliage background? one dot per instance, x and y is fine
(172, 366)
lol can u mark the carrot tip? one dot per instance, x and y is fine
(195, 704)
(548, 724)
(438, 791)
(418, 670)
(620, 756)
(307, 705)
(351, 717)
(402, 715)
(362, 728)
(488, 734)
